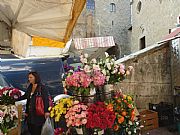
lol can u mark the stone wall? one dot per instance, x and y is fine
(153, 21)
(100, 21)
(150, 81)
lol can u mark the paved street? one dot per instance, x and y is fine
(160, 131)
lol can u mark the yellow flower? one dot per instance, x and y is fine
(129, 98)
(60, 108)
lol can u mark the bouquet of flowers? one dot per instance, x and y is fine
(9, 95)
(8, 117)
(124, 108)
(60, 108)
(99, 117)
(114, 72)
(77, 115)
(79, 81)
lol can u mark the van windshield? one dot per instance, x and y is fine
(3, 83)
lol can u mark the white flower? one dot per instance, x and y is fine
(94, 61)
(87, 69)
(85, 60)
(5, 92)
(107, 60)
(7, 119)
(129, 132)
(92, 91)
(86, 55)
(113, 60)
(108, 66)
(104, 71)
(96, 67)
(134, 130)
(130, 123)
(107, 78)
(106, 54)
(1, 120)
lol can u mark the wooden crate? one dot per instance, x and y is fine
(149, 119)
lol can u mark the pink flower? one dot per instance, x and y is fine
(122, 71)
(98, 78)
(121, 66)
(84, 121)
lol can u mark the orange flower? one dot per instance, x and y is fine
(110, 107)
(116, 127)
(132, 118)
(121, 120)
(124, 113)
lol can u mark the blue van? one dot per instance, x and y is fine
(13, 72)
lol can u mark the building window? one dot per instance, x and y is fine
(112, 7)
(139, 6)
(142, 43)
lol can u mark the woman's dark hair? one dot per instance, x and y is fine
(37, 77)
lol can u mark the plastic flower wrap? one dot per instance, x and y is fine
(77, 115)
(99, 117)
(124, 108)
(8, 117)
(8, 95)
(60, 108)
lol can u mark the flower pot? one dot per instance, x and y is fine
(108, 89)
(79, 131)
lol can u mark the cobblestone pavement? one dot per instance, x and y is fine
(160, 131)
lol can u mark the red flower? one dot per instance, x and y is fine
(99, 116)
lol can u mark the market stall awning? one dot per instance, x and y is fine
(94, 42)
(52, 19)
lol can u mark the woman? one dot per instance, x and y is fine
(34, 121)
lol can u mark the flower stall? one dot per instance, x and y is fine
(96, 106)
(9, 113)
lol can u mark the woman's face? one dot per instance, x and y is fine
(31, 78)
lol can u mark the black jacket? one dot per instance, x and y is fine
(31, 104)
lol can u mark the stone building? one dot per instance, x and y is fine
(106, 18)
(155, 75)
(152, 20)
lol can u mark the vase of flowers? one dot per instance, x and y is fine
(99, 117)
(124, 108)
(77, 117)
(8, 110)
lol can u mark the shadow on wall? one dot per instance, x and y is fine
(115, 50)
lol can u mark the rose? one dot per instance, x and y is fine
(96, 67)
(106, 54)
(93, 61)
